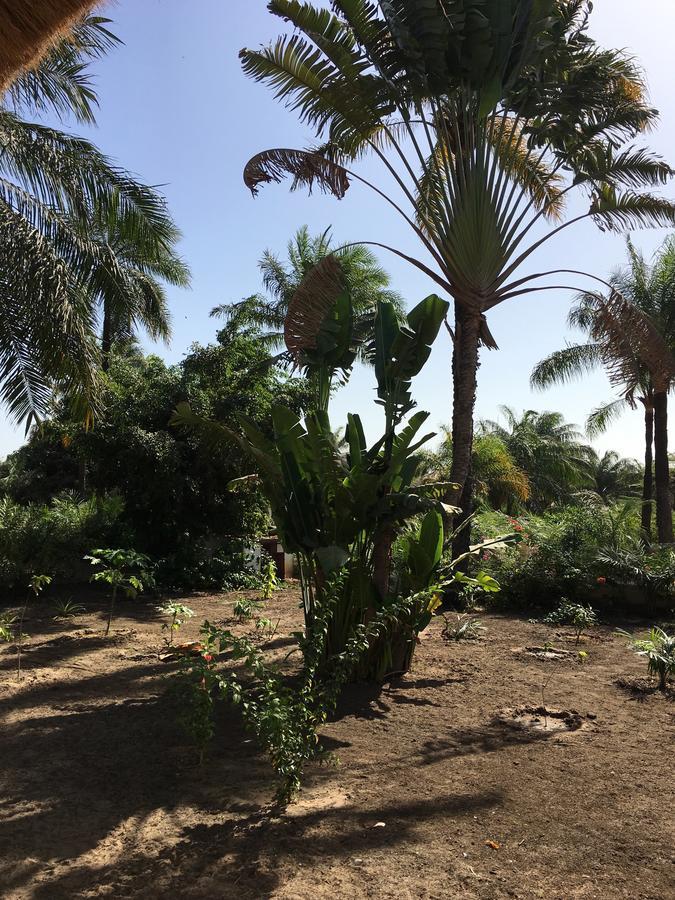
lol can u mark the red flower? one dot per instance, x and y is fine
(208, 657)
(601, 579)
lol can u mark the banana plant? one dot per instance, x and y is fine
(336, 510)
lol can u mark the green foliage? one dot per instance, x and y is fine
(331, 507)
(7, 623)
(284, 714)
(78, 237)
(548, 450)
(560, 555)
(462, 628)
(124, 570)
(179, 614)
(270, 581)
(174, 496)
(244, 608)
(658, 648)
(632, 563)
(366, 281)
(578, 615)
(53, 537)
(67, 609)
(498, 482)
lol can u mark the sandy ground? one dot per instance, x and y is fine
(101, 796)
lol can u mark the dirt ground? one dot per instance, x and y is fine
(101, 796)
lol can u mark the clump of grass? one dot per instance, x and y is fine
(462, 628)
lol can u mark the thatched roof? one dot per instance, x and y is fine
(28, 27)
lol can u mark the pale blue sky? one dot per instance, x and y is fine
(176, 110)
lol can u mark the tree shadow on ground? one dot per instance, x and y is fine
(497, 735)
(76, 775)
(245, 858)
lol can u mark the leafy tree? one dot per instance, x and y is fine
(548, 450)
(366, 280)
(485, 115)
(632, 335)
(77, 233)
(176, 495)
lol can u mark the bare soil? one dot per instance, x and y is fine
(449, 784)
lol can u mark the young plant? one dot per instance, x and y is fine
(7, 622)
(244, 608)
(659, 650)
(269, 579)
(66, 609)
(179, 614)
(267, 626)
(462, 628)
(123, 570)
(579, 616)
(36, 585)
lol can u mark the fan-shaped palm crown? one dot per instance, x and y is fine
(484, 115)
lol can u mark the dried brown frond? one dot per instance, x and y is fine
(29, 28)
(310, 304)
(307, 167)
(630, 343)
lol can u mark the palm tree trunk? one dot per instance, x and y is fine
(664, 502)
(648, 480)
(106, 338)
(465, 362)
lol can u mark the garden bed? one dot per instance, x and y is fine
(435, 795)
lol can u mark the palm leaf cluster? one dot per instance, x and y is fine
(298, 277)
(631, 334)
(485, 117)
(486, 114)
(80, 239)
(550, 451)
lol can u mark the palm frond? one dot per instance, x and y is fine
(574, 361)
(307, 168)
(60, 81)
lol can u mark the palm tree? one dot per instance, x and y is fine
(498, 482)
(76, 233)
(614, 477)
(484, 116)
(548, 450)
(366, 280)
(632, 335)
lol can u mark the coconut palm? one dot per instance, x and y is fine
(632, 335)
(484, 115)
(77, 234)
(366, 280)
(614, 477)
(548, 450)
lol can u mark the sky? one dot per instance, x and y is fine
(176, 110)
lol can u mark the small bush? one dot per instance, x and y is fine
(578, 615)
(658, 648)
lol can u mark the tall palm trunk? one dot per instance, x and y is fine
(106, 337)
(465, 361)
(648, 480)
(664, 502)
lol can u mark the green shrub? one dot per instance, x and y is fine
(558, 557)
(578, 615)
(659, 650)
(54, 537)
(462, 628)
